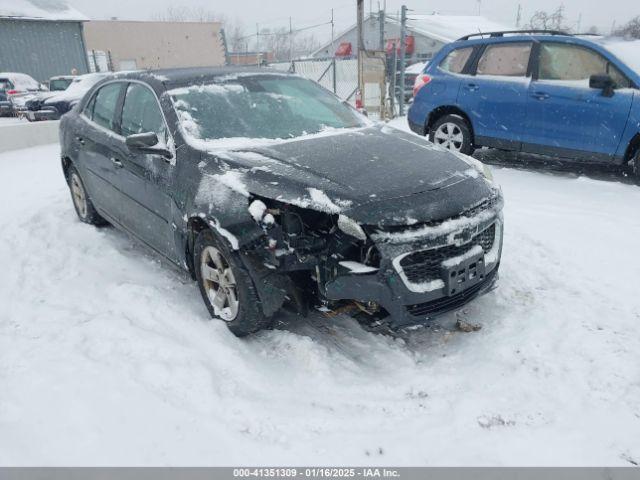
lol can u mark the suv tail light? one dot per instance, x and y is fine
(421, 81)
(12, 92)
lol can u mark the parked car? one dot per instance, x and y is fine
(266, 187)
(60, 83)
(539, 92)
(53, 106)
(14, 85)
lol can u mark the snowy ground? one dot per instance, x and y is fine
(107, 356)
(11, 121)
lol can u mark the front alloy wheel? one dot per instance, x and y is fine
(219, 283)
(226, 285)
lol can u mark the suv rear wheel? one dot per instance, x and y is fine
(226, 286)
(453, 133)
(636, 166)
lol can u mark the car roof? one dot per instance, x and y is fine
(175, 77)
(14, 75)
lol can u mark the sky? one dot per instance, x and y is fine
(276, 13)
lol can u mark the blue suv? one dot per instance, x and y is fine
(540, 92)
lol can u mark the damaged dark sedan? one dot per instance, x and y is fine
(270, 191)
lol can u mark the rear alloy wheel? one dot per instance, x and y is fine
(226, 286)
(453, 133)
(81, 201)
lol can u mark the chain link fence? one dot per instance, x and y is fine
(337, 75)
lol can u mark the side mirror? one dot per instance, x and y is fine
(604, 83)
(147, 143)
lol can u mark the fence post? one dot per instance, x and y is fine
(335, 74)
(394, 73)
(403, 53)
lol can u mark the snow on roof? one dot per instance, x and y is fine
(40, 10)
(448, 28)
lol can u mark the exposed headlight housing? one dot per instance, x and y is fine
(351, 227)
(486, 172)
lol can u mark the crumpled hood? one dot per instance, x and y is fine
(377, 176)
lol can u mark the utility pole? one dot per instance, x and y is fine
(382, 20)
(290, 39)
(257, 39)
(360, 16)
(579, 26)
(333, 29)
(403, 52)
(519, 15)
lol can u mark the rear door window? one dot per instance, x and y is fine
(456, 60)
(105, 106)
(505, 60)
(564, 62)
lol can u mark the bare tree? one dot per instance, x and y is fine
(549, 20)
(285, 45)
(630, 30)
(188, 14)
(236, 36)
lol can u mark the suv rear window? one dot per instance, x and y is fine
(505, 60)
(456, 60)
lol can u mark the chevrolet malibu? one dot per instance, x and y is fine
(269, 190)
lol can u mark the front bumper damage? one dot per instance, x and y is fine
(425, 272)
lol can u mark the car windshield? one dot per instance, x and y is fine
(264, 106)
(5, 85)
(59, 84)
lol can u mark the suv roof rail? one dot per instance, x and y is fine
(504, 32)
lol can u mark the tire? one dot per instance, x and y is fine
(636, 167)
(81, 201)
(453, 133)
(240, 307)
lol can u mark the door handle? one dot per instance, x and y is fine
(80, 140)
(117, 163)
(540, 95)
(472, 87)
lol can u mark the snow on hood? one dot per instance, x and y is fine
(357, 173)
(40, 10)
(78, 88)
(21, 81)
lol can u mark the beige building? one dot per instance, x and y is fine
(131, 45)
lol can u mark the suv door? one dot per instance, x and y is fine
(95, 143)
(146, 178)
(564, 115)
(495, 96)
